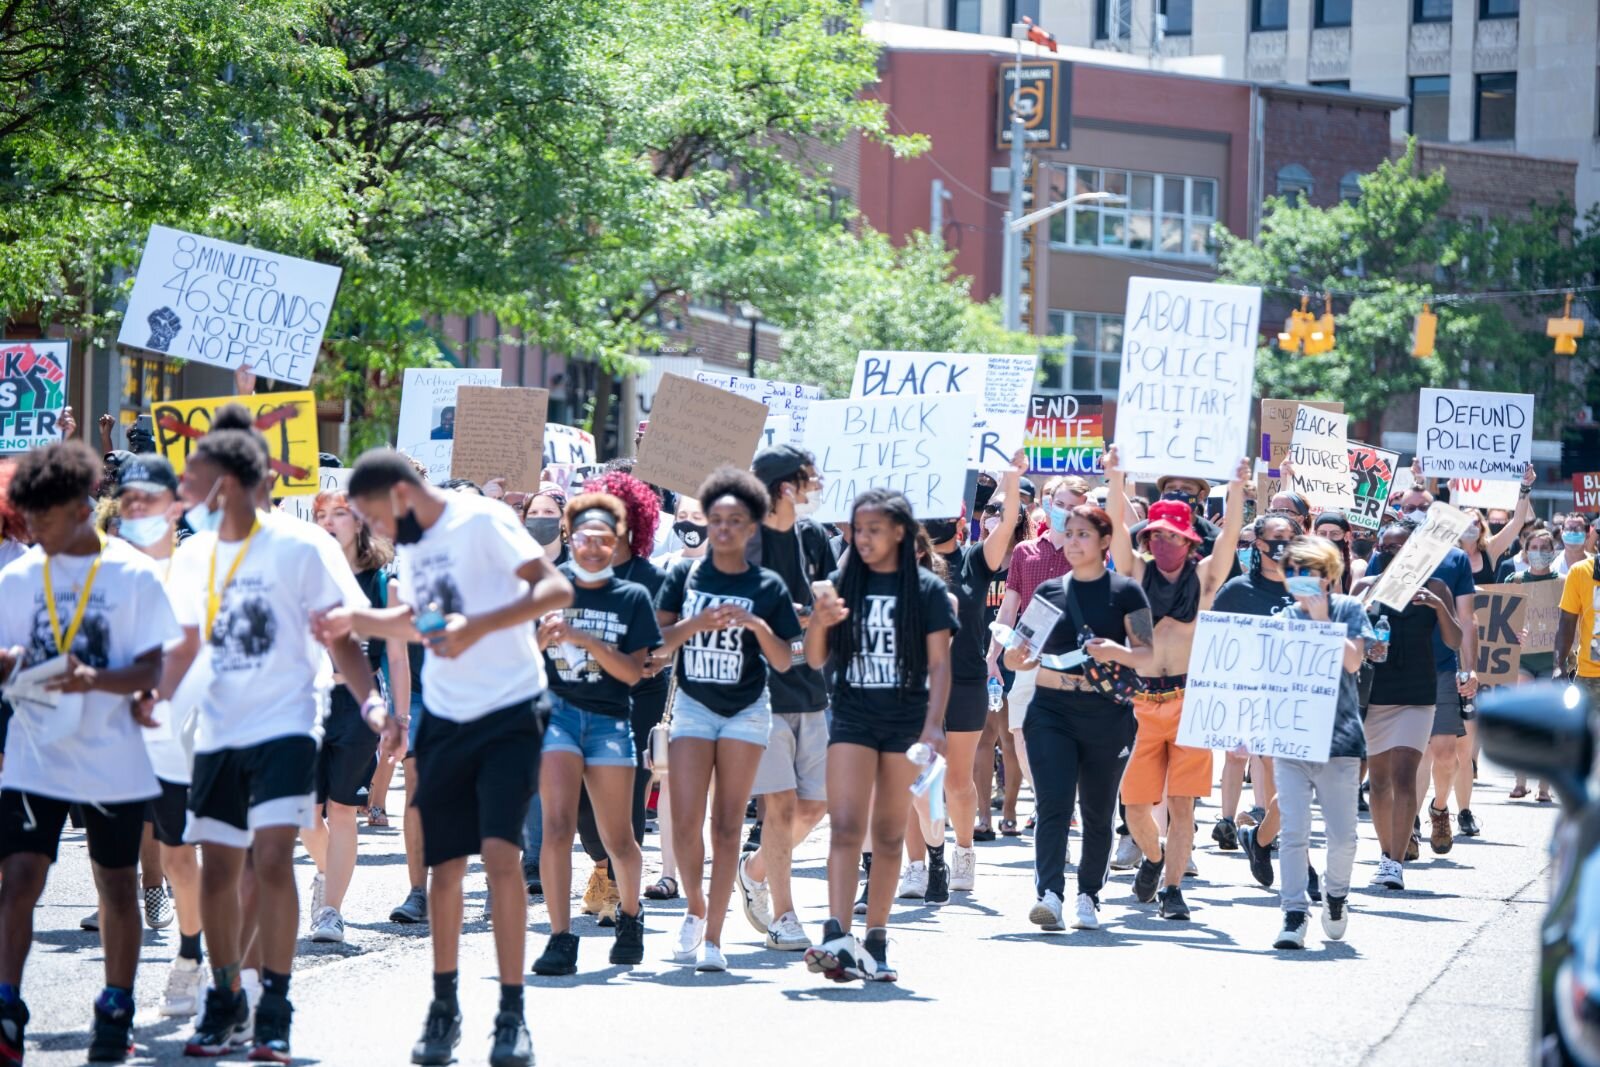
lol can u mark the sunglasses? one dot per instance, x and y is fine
(584, 538)
(993, 509)
(1302, 572)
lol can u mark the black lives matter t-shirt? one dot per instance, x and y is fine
(869, 686)
(724, 669)
(619, 613)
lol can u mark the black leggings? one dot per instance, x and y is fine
(1080, 744)
(648, 708)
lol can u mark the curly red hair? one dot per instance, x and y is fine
(11, 522)
(644, 508)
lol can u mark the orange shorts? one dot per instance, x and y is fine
(1159, 767)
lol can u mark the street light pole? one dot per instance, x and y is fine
(1011, 275)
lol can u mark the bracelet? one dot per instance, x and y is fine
(1525, 490)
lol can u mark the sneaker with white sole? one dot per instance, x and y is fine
(1335, 916)
(1390, 875)
(711, 958)
(158, 914)
(319, 896)
(186, 989)
(1046, 911)
(1128, 854)
(327, 926)
(754, 896)
(787, 935)
(1293, 934)
(1088, 913)
(913, 881)
(841, 959)
(686, 949)
(963, 869)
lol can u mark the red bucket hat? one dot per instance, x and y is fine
(1173, 516)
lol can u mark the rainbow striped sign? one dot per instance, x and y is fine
(1065, 434)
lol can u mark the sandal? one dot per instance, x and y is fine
(1545, 798)
(1008, 828)
(666, 888)
(983, 833)
(1519, 792)
(377, 817)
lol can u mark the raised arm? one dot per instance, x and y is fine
(997, 544)
(1122, 553)
(1524, 511)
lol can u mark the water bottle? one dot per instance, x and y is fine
(997, 694)
(1468, 706)
(1380, 648)
(921, 754)
(930, 783)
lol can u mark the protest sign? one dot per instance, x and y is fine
(229, 305)
(902, 443)
(1001, 413)
(1478, 493)
(1403, 480)
(500, 434)
(304, 506)
(287, 420)
(1065, 435)
(427, 429)
(1467, 434)
(1277, 427)
(694, 429)
(33, 390)
(1499, 611)
(1541, 613)
(1319, 446)
(781, 398)
(1268, 683)
(1188, 370)
(567, 446)
(1586, 492)
(1372, 471)
(1415, 562)
(779, 430)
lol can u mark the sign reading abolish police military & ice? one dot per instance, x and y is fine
(1188, 370)
(1467, 434)
(33, 390)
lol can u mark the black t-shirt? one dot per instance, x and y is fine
(375, 583)
(799, 556)
(640, 572)
(868, 687)
(1252, 594)
(622, 614)
(969, 580)
(724, 669)
(1103, 605)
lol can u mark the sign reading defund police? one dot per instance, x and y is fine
(1188, 369)
(1466, 434)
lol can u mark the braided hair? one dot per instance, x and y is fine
(1259, 527)
(910, 626)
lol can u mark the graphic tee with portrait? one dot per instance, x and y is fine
(724, 669)
(620, 614)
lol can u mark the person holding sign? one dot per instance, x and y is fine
(1539, 550)
(1080, 731)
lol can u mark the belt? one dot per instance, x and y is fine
(1164, 688)
(1072, 683)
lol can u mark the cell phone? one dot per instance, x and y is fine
(822, 589)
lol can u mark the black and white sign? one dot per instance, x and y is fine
(1466, 434)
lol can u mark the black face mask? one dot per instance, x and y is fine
(407, 530)
(940, 530)
(984, 494)
(1273, 548)
(1384, 555)
(692, 534)
(1361, 549)
(1188, 498)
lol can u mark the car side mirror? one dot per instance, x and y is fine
(1541, 730)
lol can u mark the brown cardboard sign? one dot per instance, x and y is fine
(694, 429)
(500, 434)
(1499, 610)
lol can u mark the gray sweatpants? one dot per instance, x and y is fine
(1337, 784)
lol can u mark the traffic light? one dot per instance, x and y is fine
(1422, 332)
(1296, 328)
(1566, 330)
(1320, 339)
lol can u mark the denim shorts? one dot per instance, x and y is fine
(602, 740)
(690, 718)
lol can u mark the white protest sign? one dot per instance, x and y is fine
(1320, 451)
(1266, 682)
(782, 398)
(997, 433)
(304, 506)
(427, 430)
(779, 430)
(1477, 493)
(1467, 434)
(903, 443)
(229, 305)
(1414, 564)
(1007, 403)
(1188, 375)
(567, 446)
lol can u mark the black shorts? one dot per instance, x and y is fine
(348, 755)
(874, 734)
(968, 708)
(237, 791)
(168, 812)
(5, 724)
(32, 823)
(475, 779)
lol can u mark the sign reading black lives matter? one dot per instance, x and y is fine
(1188, 374)
(229, 305)
(1467, 434)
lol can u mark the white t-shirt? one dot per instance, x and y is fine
(170, 754)
(262, 657)
(10, 551)
(128, 615)
(466, 563)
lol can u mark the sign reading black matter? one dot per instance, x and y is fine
(1044, 100)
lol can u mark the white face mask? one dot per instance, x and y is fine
(591, 576)
(143, 532)
(808, 506)
(1417, 515)
(201, 518)
(992, 523)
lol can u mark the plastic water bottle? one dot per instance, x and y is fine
(1380, 630)
(930, 783)
(997, 694)
(921, 754)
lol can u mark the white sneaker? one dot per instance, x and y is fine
(186, 987)
(913, 881)
(711, 958)
(1047, 911)
(843, 959)
(327, 926)
(690, 936)
(1293, 934)
(1390, 875)
(963, 869)
(1128, 854)
(787, 935)
(1334, 925)
(319, 896)
(1088, 913)
(755, 897)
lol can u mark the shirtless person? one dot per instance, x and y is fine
(1179, 585)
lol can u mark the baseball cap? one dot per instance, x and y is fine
(148, 474)
(328, 459)
(778, 462)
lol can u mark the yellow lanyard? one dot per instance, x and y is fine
(213, 594)
(63, 644)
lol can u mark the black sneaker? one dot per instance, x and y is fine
(1361, 799)
(224, 1025)
(513, 1047)
(440, 1035)
(530, 875)
(413, 910)
(752, 841)
(1293, 934)
(878, 949)
(1467, 824)
(1147, 880)
(112, 1037)
(560, 956)
(271, 1045)
(1172, 905)
(1313, 885)
(1225, 834)
(1260, 858)
(13, 1022)
(938, 884)
(628, 948)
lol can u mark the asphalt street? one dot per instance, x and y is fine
(1441, 973)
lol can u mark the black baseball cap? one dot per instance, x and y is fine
(328, 459)
(779, 462)
(148, 474)
(1025, 485)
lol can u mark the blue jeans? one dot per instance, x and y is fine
(690, 718)
(600, 740)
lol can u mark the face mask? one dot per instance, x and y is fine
(940, 530)
(992, 523)
(692, 534)
(1416, 515)
(1244, 558)
(1470, 534)
(984, 494)
(1540, 558)
(1057, 516)
(1572, 537)
(1304, 585)
(802, 508)
(1168, 556)
(1384, 555)
(407, 530)
(201, 518)
(1276, 548)
(590, 576)
(143, 532)
(544, 528)
(1361, 549)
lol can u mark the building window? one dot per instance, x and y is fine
(1294, 184)
(1333, 13)
(964, 16)
(1166, 215)
(1269, 14)
(1350, 187)
(1180, 17)
(1336, 83)
(1430, 107)
(1015, 9)
(1093, 361)
(1494, 115)
(1430, 10)
(1498, 9)
(1113, 20)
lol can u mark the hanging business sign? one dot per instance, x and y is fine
(1043, 96)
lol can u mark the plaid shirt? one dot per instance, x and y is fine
(1032, 564)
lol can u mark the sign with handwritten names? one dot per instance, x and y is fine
(1463, 433)
(427, 430)
(782, 398)
(902, 443)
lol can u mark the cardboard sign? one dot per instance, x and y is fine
(1415, 563)
(1586, 492)
(500, 434)
(304, 506)
(1467, 434)
(1486, 495)
(1372, 471)
(1268, 683)
(1541, 613)
(694, 429)
(781, 398)
(901, 443)
(229, 305)
(1277, 427)
(1188, 373)
(287, 420)
(1000, 421)
(427, 430)
(1065, 435)
(567, 446)
(1319, 446)
(33, 390)
(1499, 611)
